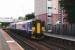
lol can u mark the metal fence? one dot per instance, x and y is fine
(65, 29)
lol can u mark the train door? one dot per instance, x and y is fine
(37, 29)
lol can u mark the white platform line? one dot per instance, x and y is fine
(10, 41)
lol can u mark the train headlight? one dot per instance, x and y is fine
(43, 28)
(33, 29)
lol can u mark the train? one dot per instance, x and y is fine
(30, 28)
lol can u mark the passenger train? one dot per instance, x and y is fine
(30, 28)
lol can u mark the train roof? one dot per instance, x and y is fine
(21, 22)
(24, 21)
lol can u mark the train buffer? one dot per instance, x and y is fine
(7, 43)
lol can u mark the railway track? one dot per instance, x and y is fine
(29, 44)
(52, 45)
(48, 43)
(59, 44)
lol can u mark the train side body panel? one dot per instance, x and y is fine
(24, 28)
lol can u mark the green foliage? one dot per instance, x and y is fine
(30, 16)
(3, 24)
(21, 18)
(69, 6)
(61, 3)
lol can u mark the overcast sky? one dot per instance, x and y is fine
(16, 8)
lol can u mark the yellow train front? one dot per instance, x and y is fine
(38, 29)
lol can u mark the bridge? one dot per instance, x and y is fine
(6, 21)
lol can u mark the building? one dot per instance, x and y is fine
(49, 11)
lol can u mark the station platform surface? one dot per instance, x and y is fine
(7, 43)
(70, 38)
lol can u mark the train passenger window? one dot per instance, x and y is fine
(30, 25)
(23, 26)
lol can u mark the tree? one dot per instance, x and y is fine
(4, 24)
(69, 6)
(29, 16)
(21, 18)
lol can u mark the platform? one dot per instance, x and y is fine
(7, 43)
(70, 38)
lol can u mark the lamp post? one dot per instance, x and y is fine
(61, 5)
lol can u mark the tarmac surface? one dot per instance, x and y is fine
(7, 43)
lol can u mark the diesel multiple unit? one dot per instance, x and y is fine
(29, 28)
